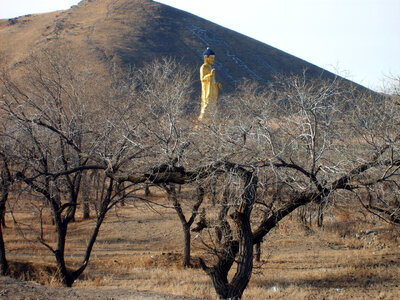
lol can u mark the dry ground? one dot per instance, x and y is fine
(139, 248)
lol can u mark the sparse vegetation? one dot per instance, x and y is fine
(306, 169)
(295, 262)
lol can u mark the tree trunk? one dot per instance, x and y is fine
(103, 211)
(172, 196)
(5, 186)
(245, 257)
(186, 249)
(121, 190)
(86, 209)
(242, 247)
(301, 215)
(320, 217)
(213, 190)
(86, 191)
(3, 259)
(147, 190)
(66, 277)
(258, 252)
(61, 230)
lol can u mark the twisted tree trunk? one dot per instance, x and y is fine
(242, 248)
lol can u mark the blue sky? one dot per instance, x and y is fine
(357, 39)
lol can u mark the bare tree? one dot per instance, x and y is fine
(269, 152)
(163, 88)
(67, 123)
(58, 131)
(293, 146)
(275, 151)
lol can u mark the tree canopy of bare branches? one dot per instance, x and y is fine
(267, 152)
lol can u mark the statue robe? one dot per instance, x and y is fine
(209, 90)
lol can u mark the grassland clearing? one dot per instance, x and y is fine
(139, 249)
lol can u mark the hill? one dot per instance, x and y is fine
(132, 32)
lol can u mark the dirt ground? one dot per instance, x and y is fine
(11, 288)
(138, 256)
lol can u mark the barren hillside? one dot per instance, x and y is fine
(130, 32)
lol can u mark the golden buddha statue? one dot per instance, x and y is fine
(209, 87)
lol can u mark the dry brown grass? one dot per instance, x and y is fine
(139, 249)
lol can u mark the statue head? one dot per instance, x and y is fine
(209, 56)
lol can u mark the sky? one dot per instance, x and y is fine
(357, 39)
